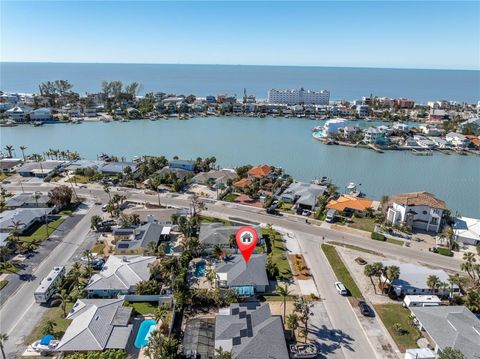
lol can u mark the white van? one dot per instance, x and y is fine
(421, 301)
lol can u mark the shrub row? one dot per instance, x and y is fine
(378, 236)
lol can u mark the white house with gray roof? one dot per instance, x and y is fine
(413, 279)
(249, 330)
(25, 217)
(97, 325)
(136, 240)
(304, 195)
(245, 279)
(450, 326)
(212, 234)
(27, 200)
(120, 275)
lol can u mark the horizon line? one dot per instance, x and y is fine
(263, 65)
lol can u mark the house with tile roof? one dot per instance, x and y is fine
(450, 326)
(356, 204)
(119, 276)
(249, 330)
(244, 182)
(259, 172)
(418, 210)
(234, 273)
(97, 325)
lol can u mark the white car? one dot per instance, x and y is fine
(340, 288)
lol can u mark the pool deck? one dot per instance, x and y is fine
(131, 349)
(194, 281)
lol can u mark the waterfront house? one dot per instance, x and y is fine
(186, 165)
(212, 234)
(40, 169)
(472, 124)
(450, 326)
(424, 142)
(114, 168)
(429, 130)
(27, 200)
(404, 103)
(374, 136)
(413, 280)
(41, 114)
(457, 140)
(8, 165)
(259, 172)
(136, 240)
(466, 231)
(241, 184)
(362, 110)
(418, 210)
(84, 164)
(97, 325)
(234, 273)
(350, 130)
(249, 330)
(180, 173)
(440, 142)
(303, 195)
(352, 204)
(474, 141)
(25, 217)
(216, 177)
(119, 276)
(18, 113)
(401, 127)
(436, 115)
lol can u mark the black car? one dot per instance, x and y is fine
(365, 309)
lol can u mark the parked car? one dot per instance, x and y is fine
(306, 213)
(365, 308)
(330, 216)
(360, 261)
(341, 288)
(104, 208)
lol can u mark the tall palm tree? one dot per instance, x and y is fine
(469, 264)
(3, 340)
(433, 282)
(378, 270)
(106, 188)
(392, 273)
(23, 148)
(62, 298)
(369, 271)
(9, 149)
(284, 293)
(161, 314)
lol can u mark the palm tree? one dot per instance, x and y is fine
(292, 322)
(433, 282)
(468, 264)
(23, 148)
(378, 270)
(48, 327)
(9, 149)
(62, 298)
(392, 273)
(472, 300)
(3, 340)
(211, 275)
(220, 353)
(88, 271)
(106, 188)
(151, 248)
(284, 293)
(217, 251)
(369, 271)
(36, 196)
(4, 252)
(161, 314)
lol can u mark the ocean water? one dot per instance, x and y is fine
(284, 142)
(202, 80)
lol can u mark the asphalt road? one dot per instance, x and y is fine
(19, 314)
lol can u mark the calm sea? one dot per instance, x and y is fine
(202, 80)
(283, 142)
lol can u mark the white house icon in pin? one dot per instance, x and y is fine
(246, 238)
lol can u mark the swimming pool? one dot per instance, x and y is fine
(200, 269)
(146, 327)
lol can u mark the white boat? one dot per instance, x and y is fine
(46, 344)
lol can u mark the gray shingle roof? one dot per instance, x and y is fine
(451, 326)
(304, 193)
(216, 233)
(140, 236)
(250, 331)
(240, 273)
(94, 321)
(118, 167)
(22, 215)
(121, 273)
(26, 199)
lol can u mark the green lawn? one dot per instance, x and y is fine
(208, 219)
(144, 308)
(276, 298)
(341, 272)
(98, 248)
(40, 233)
(356, 248)
(276, 246)
(56, 315)
(8, 268)
(3, 283)
(395, 313)
(364, 224)
(231, 197)
(398, 242)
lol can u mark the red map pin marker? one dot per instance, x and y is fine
(247, 238)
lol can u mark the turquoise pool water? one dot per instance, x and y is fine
(200, 269)
(146, 327)
(169, 248)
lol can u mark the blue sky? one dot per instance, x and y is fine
(420, 34)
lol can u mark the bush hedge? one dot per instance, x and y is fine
(444, 251)
(378, 236)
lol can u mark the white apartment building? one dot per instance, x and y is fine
(298, 96)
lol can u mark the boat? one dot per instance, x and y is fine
(37, 123)
(422, 152)
(46, 344)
